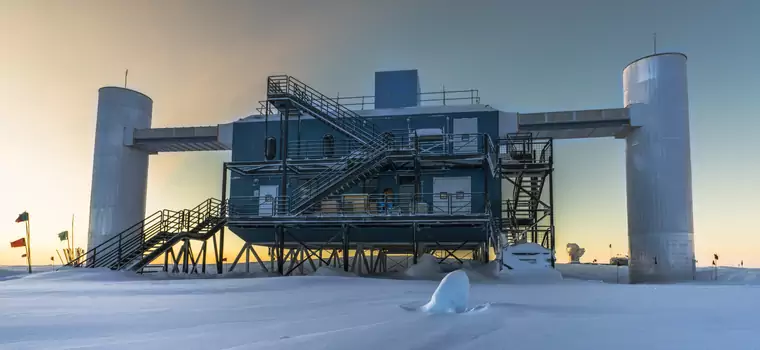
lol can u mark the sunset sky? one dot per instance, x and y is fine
(206, 62)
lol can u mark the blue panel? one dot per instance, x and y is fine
(397, 89)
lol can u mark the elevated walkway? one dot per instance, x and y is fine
(614, 122)
(181, 139)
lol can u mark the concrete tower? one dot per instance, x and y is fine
(119, 173)
(658, 170)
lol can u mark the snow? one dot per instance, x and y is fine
(451, 296)
(103, 309)
(427, 267)
(528, 263)
(332, 271)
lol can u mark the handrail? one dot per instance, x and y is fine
(131, 241)
(341, 115)
(367, 204)
(369, 152)
(491, 153)
(472, 96)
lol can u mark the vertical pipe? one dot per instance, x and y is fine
(203, 267)
(281, 250)
(284, 158)
(551, 200)
(484, 165)
(345, 248)
(414, 244)
(223, 211)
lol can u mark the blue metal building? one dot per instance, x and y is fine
(422, 173)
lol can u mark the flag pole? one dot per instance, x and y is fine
(69, 236)
(59, 257)
(28, 245)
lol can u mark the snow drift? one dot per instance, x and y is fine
(427, 267)
(451, 296)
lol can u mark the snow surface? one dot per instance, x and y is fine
(451, 296)
(103, 309)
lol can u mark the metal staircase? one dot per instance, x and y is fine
(143, 242)
(526, 163)
(361, 164)
(288, 93)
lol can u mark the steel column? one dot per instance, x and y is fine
(345, 248)
(552, 241)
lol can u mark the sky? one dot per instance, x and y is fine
(206, 62)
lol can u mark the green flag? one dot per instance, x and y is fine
(23, 217)
(63, 235)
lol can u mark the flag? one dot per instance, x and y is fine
(21, 242)
(63, 236)
(22, 217)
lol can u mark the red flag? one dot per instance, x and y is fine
(21, 242)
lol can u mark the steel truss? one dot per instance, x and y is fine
(185, 260)
(527, 164)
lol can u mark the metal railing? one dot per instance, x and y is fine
(361, 160)
(131, 244)
(443, 144)
(362, 204)
(492, 154)
(525, 149)
(524, 217)
(434, 98)
(341, 118)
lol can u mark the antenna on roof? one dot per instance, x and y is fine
(654, 38)
(125, 78)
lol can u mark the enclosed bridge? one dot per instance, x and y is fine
(323, 180)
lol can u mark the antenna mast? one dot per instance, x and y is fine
(654, 37)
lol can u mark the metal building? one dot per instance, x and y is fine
(330, 180)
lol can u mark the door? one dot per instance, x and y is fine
(267, 196)
(452, 195)
(406, 200)
(465, 135)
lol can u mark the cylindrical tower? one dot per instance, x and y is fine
(119, 172)
(658, 170)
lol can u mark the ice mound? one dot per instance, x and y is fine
(427, 267)
(451, 296)
(332, 271)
